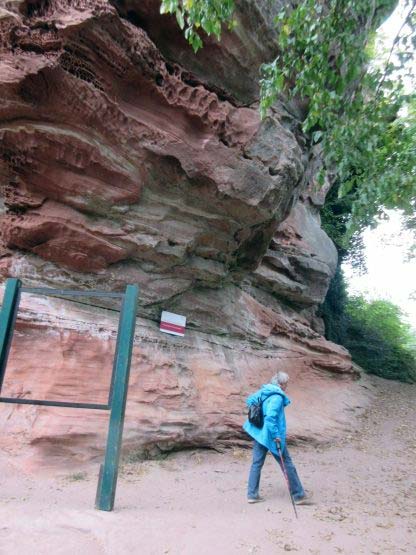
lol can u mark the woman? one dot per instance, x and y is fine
(272, 437)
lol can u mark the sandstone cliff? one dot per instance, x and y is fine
(125, 158)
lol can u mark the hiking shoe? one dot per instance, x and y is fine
(306, 499)
(255, 499)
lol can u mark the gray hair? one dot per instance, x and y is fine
(280, 378)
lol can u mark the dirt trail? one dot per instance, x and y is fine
(195, 502)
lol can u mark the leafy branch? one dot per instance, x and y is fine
(406, 22)
(196, 15)
(362, 116)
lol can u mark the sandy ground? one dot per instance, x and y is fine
(194, 502)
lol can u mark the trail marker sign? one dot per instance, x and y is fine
(172, 323)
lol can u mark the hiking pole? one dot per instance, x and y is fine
(287, 478)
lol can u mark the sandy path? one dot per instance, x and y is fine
(195, 503)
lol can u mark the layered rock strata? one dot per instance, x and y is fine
(125, 158)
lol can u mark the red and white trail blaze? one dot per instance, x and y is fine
(172, 323)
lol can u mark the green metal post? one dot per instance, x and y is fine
(7, 318)
(109, 471)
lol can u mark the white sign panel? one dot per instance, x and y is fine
(172, 323)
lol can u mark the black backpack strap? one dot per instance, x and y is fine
(270, 394)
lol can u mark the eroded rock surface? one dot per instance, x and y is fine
(125, 158)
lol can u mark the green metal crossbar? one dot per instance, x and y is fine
(107, 481)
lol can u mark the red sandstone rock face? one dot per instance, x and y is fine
(183, 392)
(130, 161)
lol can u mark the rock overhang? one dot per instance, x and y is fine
(123, 161)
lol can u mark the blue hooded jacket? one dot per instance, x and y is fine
(274, 402)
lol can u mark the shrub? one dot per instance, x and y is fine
(374, 332)
(379, 340)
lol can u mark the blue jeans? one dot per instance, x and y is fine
(259, 456)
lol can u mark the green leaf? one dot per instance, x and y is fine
(316, 135)
(180, 18)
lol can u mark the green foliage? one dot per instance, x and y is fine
(358, 111)
(333, 309)
(373, 331)
(383, 317)
(195, 15)
(379, 340)
(335, 216)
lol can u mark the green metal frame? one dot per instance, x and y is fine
(107, 481)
